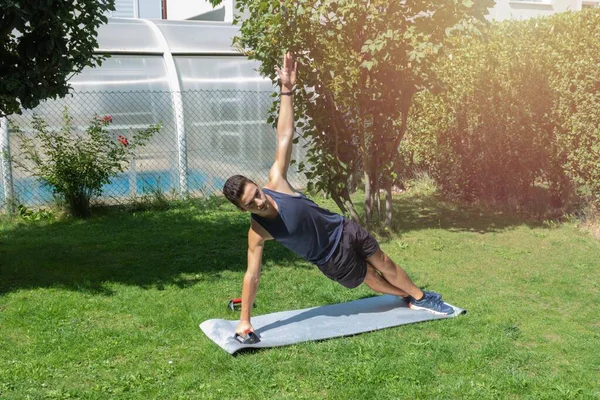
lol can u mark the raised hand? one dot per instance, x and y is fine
(287, 76)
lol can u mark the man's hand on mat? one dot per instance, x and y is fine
(243, 328)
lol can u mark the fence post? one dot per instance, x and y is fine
(177, 102)
(181, 143)
(7, 178)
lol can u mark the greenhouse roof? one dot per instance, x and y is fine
(140, 36)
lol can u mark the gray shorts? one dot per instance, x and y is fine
(348, 265)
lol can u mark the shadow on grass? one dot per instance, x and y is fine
(412, 213)
(182, 246)
(149, 249)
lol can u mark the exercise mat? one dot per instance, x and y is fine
(324, 322)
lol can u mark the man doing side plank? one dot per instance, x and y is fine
(342, 249)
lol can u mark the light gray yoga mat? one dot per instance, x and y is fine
(317, 323)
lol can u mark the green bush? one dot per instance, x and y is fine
(77, 165)
(520, 112)
(576, 55)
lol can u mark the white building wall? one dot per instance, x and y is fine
(523, 9)
(186, 9)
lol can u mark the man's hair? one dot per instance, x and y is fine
(234, 189)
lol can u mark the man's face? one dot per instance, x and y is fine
(254, 200)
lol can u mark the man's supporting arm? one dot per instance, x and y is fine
(251, 278)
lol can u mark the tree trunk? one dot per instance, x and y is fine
(365, 158)
(375, 179)
(379, 214)
(344, 202)
(388, 158)
(340, 197)
(336, 198)
(388, 205)
(350, 206)
(79, 204)
(368, 196)
(353, 213)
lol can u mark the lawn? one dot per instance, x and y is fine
(110, 308)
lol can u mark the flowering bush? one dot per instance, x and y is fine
(77, 165)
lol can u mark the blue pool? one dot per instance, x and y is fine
(30, 191)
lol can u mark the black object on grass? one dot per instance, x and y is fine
(236, 304)
(250, 338)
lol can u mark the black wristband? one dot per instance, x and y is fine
(287, 93)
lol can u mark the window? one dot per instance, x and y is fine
(124, 9)
(149, 9)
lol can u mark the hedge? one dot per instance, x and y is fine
(521, 111)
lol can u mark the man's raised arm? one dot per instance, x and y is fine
(285, 123)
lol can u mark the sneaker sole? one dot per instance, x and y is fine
(413, 307)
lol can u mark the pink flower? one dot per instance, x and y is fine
(107, 119)
(123, 140)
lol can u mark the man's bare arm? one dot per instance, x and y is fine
(285, 123)
(257, 236)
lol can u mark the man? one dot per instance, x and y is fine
(341, 249)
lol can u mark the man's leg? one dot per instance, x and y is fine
(396, 277)
(376, 282)
(393, 274)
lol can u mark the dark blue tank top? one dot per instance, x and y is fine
(303, 227)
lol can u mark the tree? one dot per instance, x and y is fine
(362, 61)
(42, 44)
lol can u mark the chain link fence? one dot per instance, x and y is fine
(206, 137)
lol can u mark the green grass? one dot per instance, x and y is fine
(110, 308)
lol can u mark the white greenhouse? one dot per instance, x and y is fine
(209, 98)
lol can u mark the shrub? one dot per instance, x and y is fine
(30, 215)
(576, 46)
(77, 165)
(521, 112)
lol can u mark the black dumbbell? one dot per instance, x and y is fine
(250, 338)
(236, 304)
